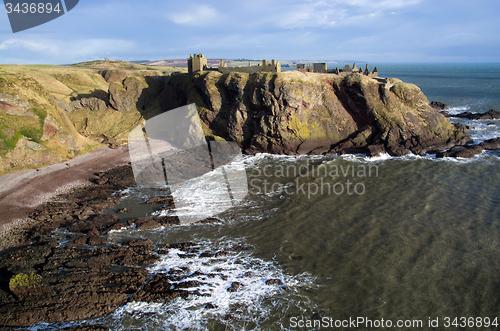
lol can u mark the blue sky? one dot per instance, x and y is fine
(362, 30)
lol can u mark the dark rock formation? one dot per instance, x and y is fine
(273, 282)
(491, 144)
(93, 104)
(489, 115)
(297, 113)
(89, 277)
(439, 105)
(160, 200)
(234, 286)
(469, 151)
(135, 92)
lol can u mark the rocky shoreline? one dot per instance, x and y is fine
(83, 275)
(469, 149)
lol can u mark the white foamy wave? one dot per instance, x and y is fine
(483, 129)
(362, 158)
(124, 192)
(214, 277)
(124, 229)
(457, 110)
(255, 160)
(142, 193)
(210, 194)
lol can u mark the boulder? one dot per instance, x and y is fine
(439, 105)
(470, 151)
(491, 144)
(466, 152)
(92, 103)
(489, 115)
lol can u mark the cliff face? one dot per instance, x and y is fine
(49, 114)
(294, 112)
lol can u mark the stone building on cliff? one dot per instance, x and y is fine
(198, 62)
(266, 66)
(321, 68)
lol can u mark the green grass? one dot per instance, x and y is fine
(33, 89)
(14, 127)
(43, 66)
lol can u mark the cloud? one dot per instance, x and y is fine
(331, 13)
(197, 16)
(380, 4)
(307, 15)
(29, 45)
(58, 51)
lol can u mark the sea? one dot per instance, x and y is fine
(344, 242)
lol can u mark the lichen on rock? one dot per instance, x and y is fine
(303, 113)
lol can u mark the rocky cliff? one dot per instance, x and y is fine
(300, 113)
(49, 114)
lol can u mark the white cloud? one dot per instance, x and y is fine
(381, 4)
(197, 15)
(59, 51)
(331, 13)
(29, 45)
(307, 15)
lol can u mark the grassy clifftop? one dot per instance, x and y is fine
(50, 114)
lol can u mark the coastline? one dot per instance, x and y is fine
(77, 268)
(24, 191)
(81, 260)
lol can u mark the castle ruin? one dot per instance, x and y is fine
(266, 66)
(198, 62)
(321, 68)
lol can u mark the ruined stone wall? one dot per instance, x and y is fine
(248, 70)
(319, 67)
(266, 66)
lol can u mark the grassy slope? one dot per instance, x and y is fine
(35, 131)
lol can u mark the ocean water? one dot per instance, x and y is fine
(473, 87)
(413, 241)
(464, 87)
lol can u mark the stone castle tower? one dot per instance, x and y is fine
(197, 62)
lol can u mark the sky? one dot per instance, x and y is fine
(374, 31)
